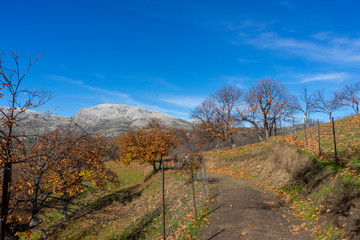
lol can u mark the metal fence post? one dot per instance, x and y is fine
(319, 136)
(335, 151)
(193, 189)
(201, 177)
(306, 141)
(206, 180)
(163, 198)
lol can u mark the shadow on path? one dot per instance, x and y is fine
(216, 234)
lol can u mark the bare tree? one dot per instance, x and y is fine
(48, 169)
(51, 174)
(218, 113)
(330, 104)
(351, 96)
(306, 104)
(19, 100)
(205, 113)
(267, 101)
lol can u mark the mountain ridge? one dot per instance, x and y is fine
(108, 120)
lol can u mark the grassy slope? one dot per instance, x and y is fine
(130, 208)
(319, 191)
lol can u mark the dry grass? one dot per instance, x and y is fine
(315, 187)
(129, 208)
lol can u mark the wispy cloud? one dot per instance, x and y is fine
(327, 77)
(325, 47)
(243, 60)
(245, 24)
(238, 80)
(162, 81)
(183, 101)
(98, 90)
(114, 97)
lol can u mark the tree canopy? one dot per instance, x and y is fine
(147, 144)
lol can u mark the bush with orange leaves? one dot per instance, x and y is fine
(147, 144)
(51, 171)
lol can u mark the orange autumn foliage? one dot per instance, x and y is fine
(56, 164)
(147, 144)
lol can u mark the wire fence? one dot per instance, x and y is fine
(140, 205)
(324, 139)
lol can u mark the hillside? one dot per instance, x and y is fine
(105, 120)
(319, 191)
(128, 206)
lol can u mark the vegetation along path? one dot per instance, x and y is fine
(242, 211)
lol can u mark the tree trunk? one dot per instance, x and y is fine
(307, 121)
(266, 129)
(267, 134)
(65, 215)
(261, 138)
(154, 166)
(232, 142)
(275, 128)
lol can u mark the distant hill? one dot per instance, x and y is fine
(103, 120)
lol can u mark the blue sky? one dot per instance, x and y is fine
(170, 55)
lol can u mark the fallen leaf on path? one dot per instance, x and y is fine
(283, 216)
(244, 233)
(251, 226)
(271, 203)
(296, 229)
(231, 205)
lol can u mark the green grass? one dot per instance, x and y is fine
(322, 195)
(334, 178)
(193, 227)
(329, 232)
(306, 209)
(138, 206)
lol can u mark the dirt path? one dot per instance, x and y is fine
(241, 211)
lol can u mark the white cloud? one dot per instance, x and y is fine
(325, 47)
(333, 77)
(163, 82)
(243, 60)
(237, 81)
(183, 101)
(97, 90)
(245, 24)
(114, 97)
